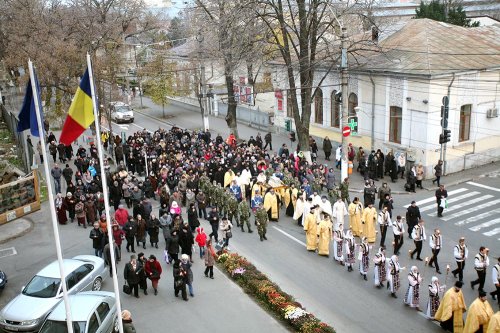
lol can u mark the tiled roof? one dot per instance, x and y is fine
(427, 47)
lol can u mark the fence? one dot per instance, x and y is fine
(254, 118)
(24, 150)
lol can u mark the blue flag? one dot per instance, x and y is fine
(27, 116)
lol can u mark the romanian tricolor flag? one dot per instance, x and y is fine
(80, 114)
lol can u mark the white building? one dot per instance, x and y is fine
(397, 95)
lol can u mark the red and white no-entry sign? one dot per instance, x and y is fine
(346, 131)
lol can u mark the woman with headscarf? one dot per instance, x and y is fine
(350, 245)
(153, 272)
(393, 275)
(175, 209)
(60, 209)
(380, 272)
(128, 326)
(412, 296)
(363, 256)
(433, 303)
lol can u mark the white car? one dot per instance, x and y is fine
(27, 311)
(91, 312)
(121, 112)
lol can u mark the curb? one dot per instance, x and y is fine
(20, 233)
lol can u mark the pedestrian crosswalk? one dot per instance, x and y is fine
(466, 208)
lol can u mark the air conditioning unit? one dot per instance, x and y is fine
(492, 113)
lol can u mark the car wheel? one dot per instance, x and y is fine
(97, 284)
(116, 329)
(132, 120)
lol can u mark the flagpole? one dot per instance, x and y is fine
(52, 205)
(105, 194)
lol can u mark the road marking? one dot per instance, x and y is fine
(484, 186)
(492, 232)
(470, 210)
(7, 252)
(484, 225)
(467, 203)
(290, 236)
(477, 217)
(454, 199)
(421, 202)
(140, 127)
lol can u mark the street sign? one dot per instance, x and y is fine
(346, 131)
(352, 122)
(446, 101)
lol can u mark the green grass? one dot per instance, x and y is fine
(16, 161)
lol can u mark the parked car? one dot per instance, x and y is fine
(27, 311)
(3, 280)
(91, 311)
(121, 112)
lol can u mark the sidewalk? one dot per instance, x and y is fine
(187, 118)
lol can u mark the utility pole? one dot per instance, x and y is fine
(203, 85)
(344, 101)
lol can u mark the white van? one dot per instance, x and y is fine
(121, 112)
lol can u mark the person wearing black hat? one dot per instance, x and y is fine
(451, 309)
(153, 272)
(412, 217)
(479, 314)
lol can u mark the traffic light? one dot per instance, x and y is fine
(292, 136)
(288, 125)
(445, 137)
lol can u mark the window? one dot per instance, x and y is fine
(335, 112)
(103, 310)
(396, 122)
(82, 271)
(71, 281)
(353, 103)
(318, 106)
(93, 324)
(289, 110)
(464, 130)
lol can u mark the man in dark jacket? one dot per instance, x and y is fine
(441, 194)
(213, 218)
(67, 174)
(131, 274)
(130, 229)
(268, 138)
(412, 217)
(96, 235)
(327, 148)
(173, 245)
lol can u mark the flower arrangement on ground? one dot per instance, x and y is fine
(268, 294)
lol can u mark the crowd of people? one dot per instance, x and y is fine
(195, 176)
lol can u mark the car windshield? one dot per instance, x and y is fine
(53, 326)
(43, 287)
(122, 108)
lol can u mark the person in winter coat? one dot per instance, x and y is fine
(61, 209)
(80, 212)
(130, 229)
(201, 240)
(107, 255)
(140, 234)
(118, 236)
(131, 274)
(180, 279)
(143, 280)
(90, 210)
(327, 148)
(330, 180)
(193, 218)
(210, 256)
(173, 245)
(153, 272)
(70, 202)
(186, 265)
(226, 228)
(420, 175)
(121, 215)
(201, 201)
(115, 194)
(153, 230)
(186, 241)
(128, 326)
(96, 235)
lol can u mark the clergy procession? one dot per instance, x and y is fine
(241, 181)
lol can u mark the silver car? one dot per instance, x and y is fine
(27, 311)
(91, 312)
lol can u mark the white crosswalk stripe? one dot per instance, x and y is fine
(469, 210)
(462, 205)
(485, 225)
(433, 199)
(450, 201)
(477, 217)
